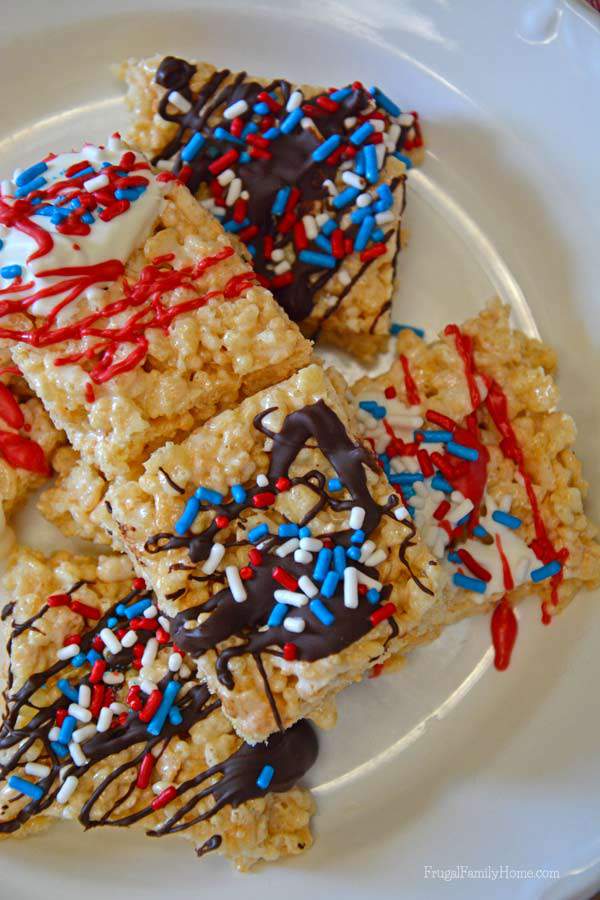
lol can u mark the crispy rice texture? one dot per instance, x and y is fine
(209, 359)
(524, 367)
(229, 450)
(265, 828)
(360, 324)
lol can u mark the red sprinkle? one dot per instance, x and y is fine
(337, 243)
(61, 715)
(373, 252)
(438, 419)
(290, 652)
(471, 563)
(221, 521)
(72, 639)
(380, 615)
(138, 584)
(282, 280)
(10, 410)
(504, 633)
(97, 700)
(240, 208)
(152, 704)
(246, 573)
(285, 579)
(98, 670)
(390, 392)
(58, 600)
(264, 499)
(287, 222)
(412, 394)
(376, 670)
(161, 636)
(441, 511)
(90, 396)
(425, 463)
(88, 612)
(283, 484)
(145, 771)
(246, 234)
(327, 104)
(255, 556)
(114, 210)
(223, 162)
(300, 239)
(268, 242)
(165, 797)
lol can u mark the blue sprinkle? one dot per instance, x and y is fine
(340, 94)
(322, 565)
(364, 233)
(58, 216)
(291, 121)
(207, 496)
(463, 521)
(59, 749)
(386, 198)
(322, 242)
(265, 778)
(129, 193)
(66, 688)
(87, 218)
(408, 492)
(137, 609)
(34, 185)
(403, 158)
(261, 109)
(378, 236)
(320, 611)
(479, 531)
(26, 787)
(304, 532)
(44, 211)
(278, 614)
(271, 134)
(411, 510)
(353, 552)
(10, 271)
(547, 571)
(455, 558)
(505, 518)
(359, 215)
(66, 730)
(90, 171)
(245, 157)
(371, 168)
(120, 609)
(439, 483)
(436, 437)
(326, 148)
(339, 560)
(78, 660)
(193, 147)
(384, 102)
(358, 536)
(250, 128)
(93, 656)
(35, 201)
(321, 260)
(470, 584)
(368, 404)
(160, 716)
(175, 717)
(406, 477)
(329, 227)
(258, 532)
(397, 328)
(359, 136)
(186, 520)
(329, 586)
(359, 163)
(221, 134)
(29, 174)
(334, 484)
(344, 198)
(238, 493)
(462, 452)
(289, 530)
(372, 596)
(280, 201)
(232, 226)
(112, 622)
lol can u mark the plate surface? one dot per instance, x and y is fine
(449, 764)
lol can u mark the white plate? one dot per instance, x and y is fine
(450, 763)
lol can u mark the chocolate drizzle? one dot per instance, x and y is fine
(290, 164)
(290, 754)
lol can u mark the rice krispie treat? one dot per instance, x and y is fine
(311, 180)
(273, 541)
(105, 723)
(126, 306)
(468, 432)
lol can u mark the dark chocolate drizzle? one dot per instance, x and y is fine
(290, 754)
(291, 164)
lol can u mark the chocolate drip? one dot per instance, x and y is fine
(213, 843)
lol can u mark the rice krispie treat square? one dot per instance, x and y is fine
(468, 431)
(105, 723)
(311, 180)
(274, 542)
(126, 306)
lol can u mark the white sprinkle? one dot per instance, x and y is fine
(164, 623)
(67, 790)
(375, 558)
(380, 153)
(378, 124)
(366, 550)
(82, 734)
(331, 188)
(354, 180)
(306, 123)
(165, 165)
(185, 671)
(77, 754)
(159, 786)
(235, 189)
(110, 640)
(307, 586)
(288, 547)
(113, 678)
(310, 543)
(351, 587)
(277, 255)
(357, 517)
(118, 708)
(310, 227)
(364, 199)
(294, 101)
(262, 480)
(321, 218)
(150, 651)
(175, 661)
(393, 134)
(302, 556)
(179, 101)
(68, 652)
(150, 612)
(350, 122)
(383, 218)
(85, 695)
(282, 267)
(455, 515)
(6, 187)
(406, 120)
(147, 686)
(236, 109)
(129, 639)
(505, 502)
(294, 623)
(226, 177)
(291, 597)
(105, 719)
(54, 733)
(370, 582)
(344, 277)
(80, 713)
(95, 184)
(217, 552)
(37, 770)
(238, 591)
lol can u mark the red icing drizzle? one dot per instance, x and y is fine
(504, 633)
(412, 394)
